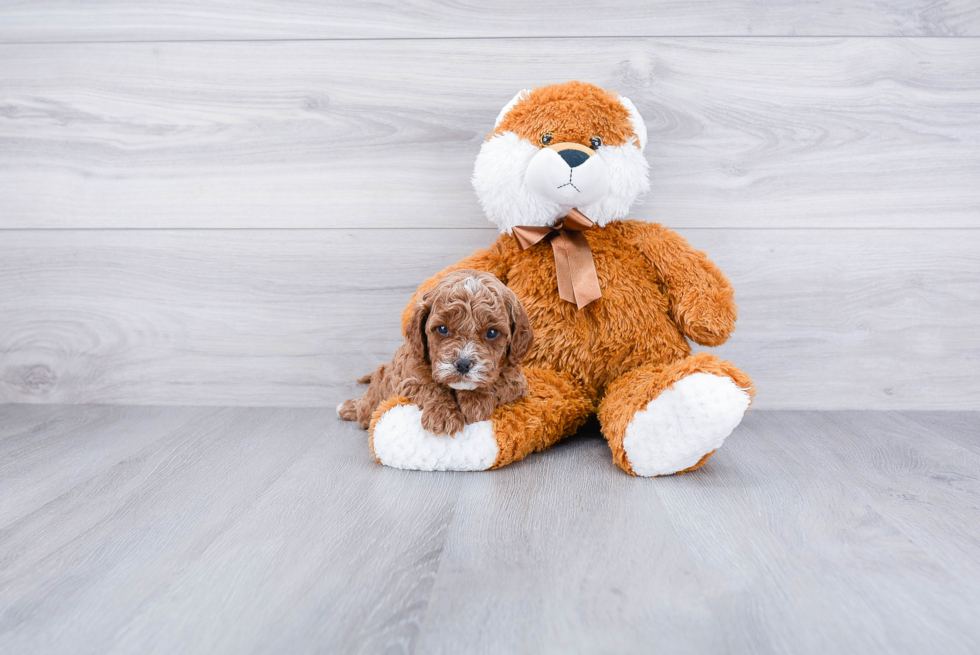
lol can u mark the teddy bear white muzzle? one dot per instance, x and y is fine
(567, 174)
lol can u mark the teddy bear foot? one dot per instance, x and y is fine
(684, 424)
(400, 441)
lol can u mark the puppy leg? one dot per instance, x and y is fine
(477, 405)
(347, 410)
(442, 417)
(357, 409)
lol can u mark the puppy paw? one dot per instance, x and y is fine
(477, 414)
(476, 406)
(443, 420)
(347, 410)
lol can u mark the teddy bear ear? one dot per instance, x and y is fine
(510, 105)
(638, 126)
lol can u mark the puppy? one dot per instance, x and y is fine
(461, 357)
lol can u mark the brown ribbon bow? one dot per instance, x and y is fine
(577, 279)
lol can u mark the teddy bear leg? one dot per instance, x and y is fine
(554, 407)
(661, 420)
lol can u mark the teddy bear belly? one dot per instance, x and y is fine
(604, 340)
(627, 327)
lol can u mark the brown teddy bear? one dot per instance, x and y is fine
(612, 302)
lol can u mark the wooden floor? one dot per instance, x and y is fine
(237, 530)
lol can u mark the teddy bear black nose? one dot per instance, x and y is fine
(573, 157)
(463, 366)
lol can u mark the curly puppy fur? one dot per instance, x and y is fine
(464, 343)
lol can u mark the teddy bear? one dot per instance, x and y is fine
(612, 302)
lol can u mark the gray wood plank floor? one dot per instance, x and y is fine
(237, 530)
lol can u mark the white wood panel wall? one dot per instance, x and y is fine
(852, 318)
(48, 21)
(859, 132)
(836, 180)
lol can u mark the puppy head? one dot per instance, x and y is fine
(469, 328)
(558, 147)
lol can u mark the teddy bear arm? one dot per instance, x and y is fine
(702, 300)
(490, 260)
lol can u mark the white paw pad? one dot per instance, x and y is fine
(400, 441)
(683, 424)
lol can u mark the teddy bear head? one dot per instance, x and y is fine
(558, 147)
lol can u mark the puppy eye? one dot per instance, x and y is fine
(443, 330)
(547, 138)
(596, 142)
(492, 334)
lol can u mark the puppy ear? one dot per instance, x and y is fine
(521, 334)
(415, 329)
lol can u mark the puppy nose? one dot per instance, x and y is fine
(463, 366)
(573, 157)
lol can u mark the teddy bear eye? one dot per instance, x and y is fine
(547, 138)
(596, 142)
(443, 330)
(492, 334)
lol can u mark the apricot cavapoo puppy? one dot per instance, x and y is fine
(461, 357)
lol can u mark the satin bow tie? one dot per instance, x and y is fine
(574, 267)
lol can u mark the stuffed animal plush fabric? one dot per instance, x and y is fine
(569, 151)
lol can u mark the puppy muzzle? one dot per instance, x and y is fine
(461, 372)
(568, 174)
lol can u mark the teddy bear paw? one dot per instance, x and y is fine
(683, 424)
(401, 442)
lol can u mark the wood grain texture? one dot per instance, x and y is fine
(767, 132)
(15, 419)
(958, 428)
(272, 530)
(727, 560)
(141, 20)
(64, 451)
(311, 527)
(829, 319)
(796, 534)
(568, 556)
(911, 469)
